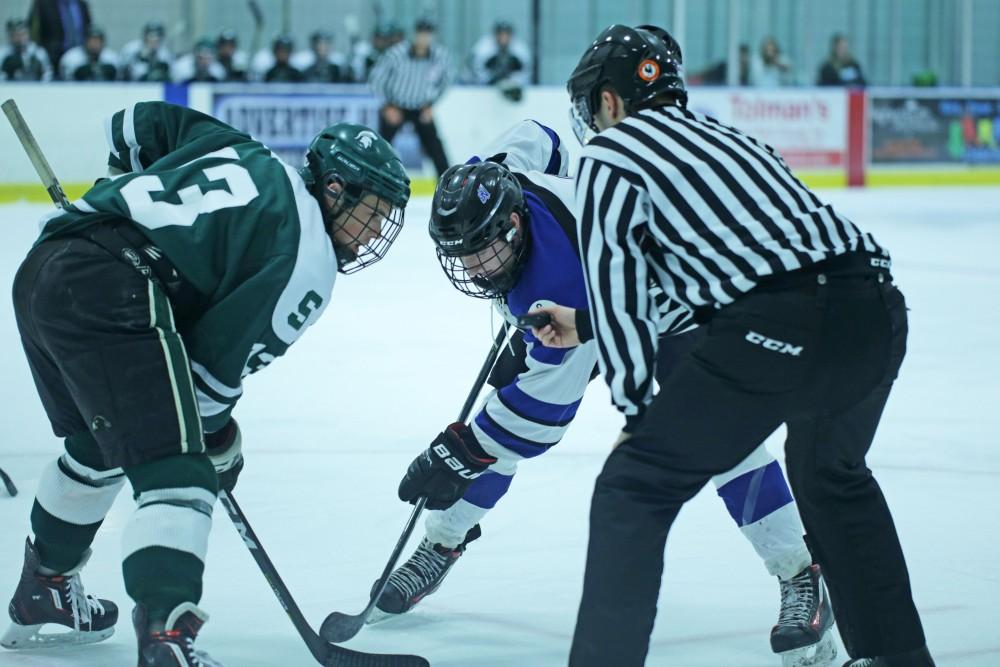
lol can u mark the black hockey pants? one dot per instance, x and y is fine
(816, 349)
(426, 132)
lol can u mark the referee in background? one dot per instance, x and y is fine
(411, 77)
(803, 326)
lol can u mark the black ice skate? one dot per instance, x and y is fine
(173, 646)
(802, 636)
(918, 658)
(60, 599)
(418, 577)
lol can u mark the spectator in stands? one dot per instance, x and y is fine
(717, 73)
(320, 64)
(282, 71)
(840, 69)
(365, 54)
(93, 61)
(770, 68)
(148, 58)
(410, 77)
(229, 57)
(199, 65)
(501, 60)
(21, 59)
(58, 26)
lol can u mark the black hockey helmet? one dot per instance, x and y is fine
(16, 25)
(227, 36)
(154, 28)
(283, 41)
(425, 24)
(477, 243)
(640, 63)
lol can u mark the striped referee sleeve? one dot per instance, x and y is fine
(387, 63)
(611, 219)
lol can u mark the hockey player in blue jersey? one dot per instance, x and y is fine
(504, 231)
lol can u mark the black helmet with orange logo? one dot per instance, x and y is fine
(640, 63)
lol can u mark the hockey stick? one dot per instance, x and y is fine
(325, 653)
(7, 482)
(50, 182)
(35, 154)
(338, 626)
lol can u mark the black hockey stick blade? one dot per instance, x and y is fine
(324, 652)
(338, 626)
(344, 657)
(8, 483)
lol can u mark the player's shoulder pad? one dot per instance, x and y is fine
(530, 146)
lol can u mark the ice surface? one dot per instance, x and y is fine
(330, 427)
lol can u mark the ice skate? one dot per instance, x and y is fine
(921, 657)
(60, 599)
(173, 646)
(418, 577)
(802, 636)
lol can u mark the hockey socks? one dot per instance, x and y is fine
(166, 539)
(74, 494)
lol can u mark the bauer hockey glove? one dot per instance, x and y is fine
(445, 470)
(225, 449)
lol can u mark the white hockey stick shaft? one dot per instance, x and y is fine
(35, 154)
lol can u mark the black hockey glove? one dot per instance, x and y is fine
(225, 449)
(445, 470)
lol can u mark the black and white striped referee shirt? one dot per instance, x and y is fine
(408, 81)
(701, 209)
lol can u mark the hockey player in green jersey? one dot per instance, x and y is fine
(141, 308)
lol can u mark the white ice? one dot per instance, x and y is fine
(330, 428)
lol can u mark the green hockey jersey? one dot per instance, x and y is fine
(236, 222)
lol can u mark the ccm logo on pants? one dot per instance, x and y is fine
(773, 345)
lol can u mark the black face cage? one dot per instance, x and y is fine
(350, 201)
(495, 270)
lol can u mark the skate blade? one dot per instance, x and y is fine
(23, 637)
(820, 654)
(379, 616)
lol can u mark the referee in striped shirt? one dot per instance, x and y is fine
(410, 77)
(803, 326)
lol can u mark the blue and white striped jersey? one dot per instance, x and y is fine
(531, 413)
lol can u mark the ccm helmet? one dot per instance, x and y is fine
(478, 245)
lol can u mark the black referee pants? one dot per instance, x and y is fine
(426, 132)
(821, 358)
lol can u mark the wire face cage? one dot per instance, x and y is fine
(365, 226)
(489, 273)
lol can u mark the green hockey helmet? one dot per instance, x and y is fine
(362, 189)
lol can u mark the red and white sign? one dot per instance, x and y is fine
(808, 127)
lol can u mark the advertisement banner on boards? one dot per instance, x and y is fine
(935, 127)
(286, 118)
(808, 126)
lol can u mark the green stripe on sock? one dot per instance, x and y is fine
(162, 578)
(60, 544)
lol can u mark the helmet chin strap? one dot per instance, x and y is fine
(332, 205)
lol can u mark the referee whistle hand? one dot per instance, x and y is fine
(561, 331)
